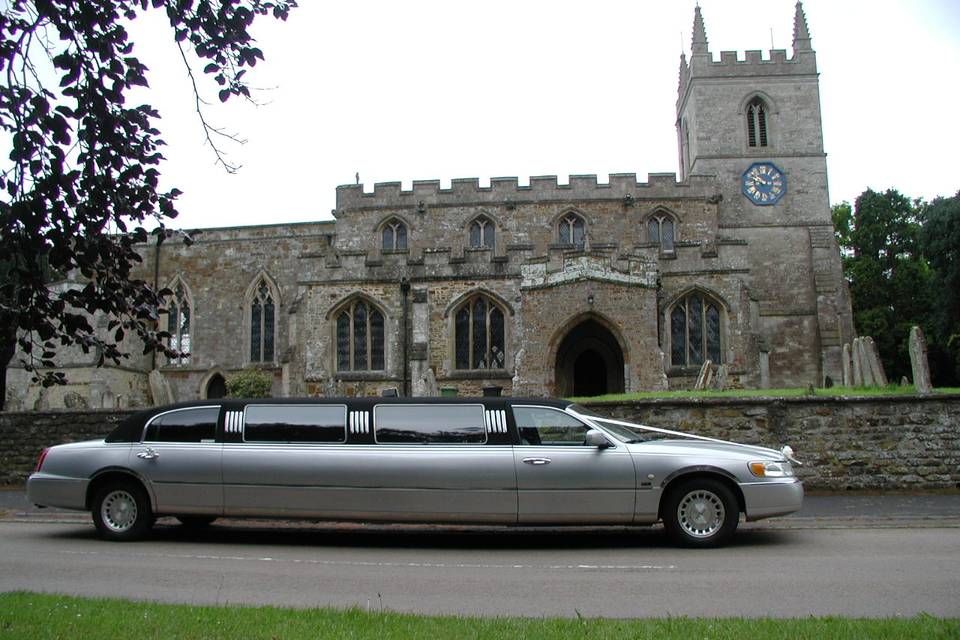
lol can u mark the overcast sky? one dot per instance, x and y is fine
(419, 90)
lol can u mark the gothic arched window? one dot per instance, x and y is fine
(179, 314)
(757, 123)
(571, 230)
(482, 233)
(695, 331)
(661, 230)
(360, 337)
(479, 334)
(393, 235)
(262, 324)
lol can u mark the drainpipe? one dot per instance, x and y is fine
(404, 293)
(156, 285)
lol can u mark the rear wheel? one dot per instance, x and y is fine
(121, 511)
(701, 512)
(196, 522)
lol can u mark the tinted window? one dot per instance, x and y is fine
(430, 424)
(538, 425)
(186, 425)
(295, 423)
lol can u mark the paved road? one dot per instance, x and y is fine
(768, 571)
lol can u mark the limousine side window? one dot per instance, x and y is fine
(185, 425)
(429, 424)
(543, 426)
(295, 423)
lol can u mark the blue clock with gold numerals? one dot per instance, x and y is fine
(763, 183)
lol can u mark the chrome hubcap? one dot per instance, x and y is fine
(701, 513)
(119, 511)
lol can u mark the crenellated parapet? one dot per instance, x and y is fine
(509, 191)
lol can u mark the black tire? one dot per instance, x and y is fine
(701, 512)
(196, 522)
(122, 512)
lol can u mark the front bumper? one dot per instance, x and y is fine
(48, 490)
(768, 499)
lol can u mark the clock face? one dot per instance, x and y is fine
(763, 183)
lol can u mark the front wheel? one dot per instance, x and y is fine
(121, 511)
(702, 512)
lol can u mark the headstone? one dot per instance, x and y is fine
(918, 361)
(73, 400)
(876, 366)
(866, 372)
(904, 382)
(430, 389)
(720, 381)
(160, 389)
(704, 377)
(847, 373)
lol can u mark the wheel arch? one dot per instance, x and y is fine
(704, 472)
(115, 474)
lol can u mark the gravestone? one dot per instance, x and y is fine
(160, 389)
(918, 361)
(705, 376)
(876, 367)
(847, 373)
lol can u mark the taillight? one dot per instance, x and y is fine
(43, 456)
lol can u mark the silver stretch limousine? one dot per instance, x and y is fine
(456, 460)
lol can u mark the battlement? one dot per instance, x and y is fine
(508, 191)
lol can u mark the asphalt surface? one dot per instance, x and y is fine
(851, 555)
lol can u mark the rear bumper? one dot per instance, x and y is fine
(48, 490)
(768, 499)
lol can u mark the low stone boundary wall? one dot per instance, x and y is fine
(895, 442)
(24, 435)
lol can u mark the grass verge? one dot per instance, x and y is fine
(832, 392)
(35, 617)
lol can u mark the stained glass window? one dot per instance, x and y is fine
(572, 230)
(480, 335)
(178, 325)
(482, 233)
(360, 338)
(262, 324)
(394, 235)
(695, 331)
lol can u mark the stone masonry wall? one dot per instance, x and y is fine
(900, 442)
(904, 442)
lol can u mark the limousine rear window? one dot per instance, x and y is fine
(184, 425)
(289, 423)
(429, 424)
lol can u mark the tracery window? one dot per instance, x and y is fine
(360, 337)
(179, 313)
(394, 235)
(262, 324)
(695, 331)
(479, 334)
(757, 123)
(482, 233)
(660, 229)
(572, 230)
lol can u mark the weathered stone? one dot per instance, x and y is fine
(918, 361)
(847, 373)
(705, 376)
(876, 366)
(160, 389)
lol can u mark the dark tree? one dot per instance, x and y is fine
(891, 284)
(81, 179)
(940, 240)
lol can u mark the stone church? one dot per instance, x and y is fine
(548, 289)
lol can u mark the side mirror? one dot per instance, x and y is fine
(596, 439)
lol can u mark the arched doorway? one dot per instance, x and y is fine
(217, 387)
(589, 361)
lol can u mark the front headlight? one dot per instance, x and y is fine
(771, 469)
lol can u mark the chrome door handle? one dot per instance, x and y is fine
(537, 461)
(149, 454)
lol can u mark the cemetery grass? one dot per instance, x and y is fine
(832, 392)
(37, 617)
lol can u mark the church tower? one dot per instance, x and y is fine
(754, 124)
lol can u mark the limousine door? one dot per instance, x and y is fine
(561, 480)
(180, 459)
(427, 462)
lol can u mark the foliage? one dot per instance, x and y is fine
(39, 616)
(81, 178)
(891, 285)
(250, 383)
(941, 246)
